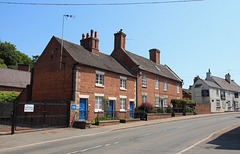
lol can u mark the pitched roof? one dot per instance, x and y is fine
(14, 78)
(211, 84)
(188, 91)
(149, 66)
(232, 86)
(101, 61)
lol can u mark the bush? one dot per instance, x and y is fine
(8, 97)
(147, 107)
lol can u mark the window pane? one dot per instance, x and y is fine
(157, 101)
(156, 83)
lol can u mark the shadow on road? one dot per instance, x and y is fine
(228, 141)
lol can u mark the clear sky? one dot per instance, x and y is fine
(192, 36)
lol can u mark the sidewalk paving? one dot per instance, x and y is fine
(40, 137)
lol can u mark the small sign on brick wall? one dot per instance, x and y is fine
(29, 108)
(73, 107)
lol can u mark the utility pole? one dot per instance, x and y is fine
(64, 16)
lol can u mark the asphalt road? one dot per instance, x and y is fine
(170, 137)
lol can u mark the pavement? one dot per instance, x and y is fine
(42, 137)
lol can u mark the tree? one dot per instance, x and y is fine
(2, 64)
(10, 57)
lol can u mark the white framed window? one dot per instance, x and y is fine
(98, 103)
(157, 102)
(156, 83)
(99, 80)
(122, 84)
(217, 93)
(178, 88)
(122, 104)
(217, 102)
(144, 99)
(163, 102)
(144, 80)
(165, 85)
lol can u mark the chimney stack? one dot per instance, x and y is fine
(208, 75)
(195, 79)
(120, 40)
(90, 43)
(24, 67)
(154, 55)
(228, 78)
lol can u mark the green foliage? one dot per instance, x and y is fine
(2, 64)
(10, 57)
(8, 97)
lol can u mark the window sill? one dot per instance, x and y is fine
(144, 86)
(99, 85)
(96, 111)
(123, 89)
(230, 107)
(218, 106)
(123, 110)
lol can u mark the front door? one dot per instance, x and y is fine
(111, 108)
(82, 109)
(131, 109)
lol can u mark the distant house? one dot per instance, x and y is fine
(221, 94)
(14, 80)
(187, 93)
(156, 83)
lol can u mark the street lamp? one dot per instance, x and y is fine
(64, 16)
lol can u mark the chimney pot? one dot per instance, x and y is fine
(90, 43)
(91, 33)
(95, 34)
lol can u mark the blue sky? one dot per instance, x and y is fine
(192, 36)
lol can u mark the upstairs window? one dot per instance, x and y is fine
(178, 88)
(99, 78)
(223, 97)
(236, 95)
(165, 85)
(144, 80)
(156, 83)
(123, 82)
(205, 93)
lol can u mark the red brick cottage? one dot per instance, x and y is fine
(86, 78)
(156, 84)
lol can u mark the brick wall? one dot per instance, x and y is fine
(49, 82)
(10, 89)
(86, 86)
(202, 108)
(150, 90)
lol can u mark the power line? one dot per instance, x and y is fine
(102, 4)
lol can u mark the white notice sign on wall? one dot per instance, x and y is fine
(28, 108)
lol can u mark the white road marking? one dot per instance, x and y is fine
(106, 145)
(62, 139)
(116, 142)
(188, 148)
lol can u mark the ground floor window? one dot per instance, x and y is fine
(98, 103)
(144, 99)
(217, 102)
(122, 104)
(157, 102)
(164, 102)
